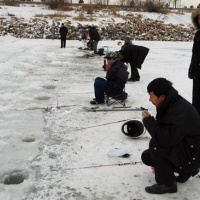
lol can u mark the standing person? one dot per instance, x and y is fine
(194, 70)
(116, 78)
(95, 37)
(135, 55)
(175, 137)
(63, 34)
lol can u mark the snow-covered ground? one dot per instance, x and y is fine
(43, 90)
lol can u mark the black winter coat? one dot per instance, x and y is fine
(94, 35)
(134, 54)
(194, 70)
(176, 131)
(117, 76)
(63, 31)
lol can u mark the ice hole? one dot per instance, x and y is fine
(15, 177)
(50, 87)
(28, 139)
(43, 98)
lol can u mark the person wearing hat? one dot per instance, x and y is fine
(135, 55)
(116, 78)
(175, 137)
(194, 69)
(63, 34)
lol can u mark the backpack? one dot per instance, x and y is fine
(100, 52)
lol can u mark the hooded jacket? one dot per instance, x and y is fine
(176, 131)
(194, 69)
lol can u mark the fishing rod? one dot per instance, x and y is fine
(102, 124)
(108, 165)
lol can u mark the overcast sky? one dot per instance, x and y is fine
(187, 3)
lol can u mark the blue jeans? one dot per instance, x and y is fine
(95, 43)
(100, 87)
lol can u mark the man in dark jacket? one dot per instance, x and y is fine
(135, 55)
(95, 37)
(116, 78)
(175, 142)
(194, 70)
(63, 34)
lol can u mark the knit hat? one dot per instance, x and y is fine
(160, 86)
(111, 54)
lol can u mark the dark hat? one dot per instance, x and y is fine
(159, 86)
(133, 128)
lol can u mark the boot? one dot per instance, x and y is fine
(161, 189)
(133, 79)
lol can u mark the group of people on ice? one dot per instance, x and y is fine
(174, 146)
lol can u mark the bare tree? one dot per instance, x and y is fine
(128, 2)
(121, 2)
(175, 2)
(106, 2)
(168, 2)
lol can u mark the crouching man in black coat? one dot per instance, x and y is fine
(175, 142)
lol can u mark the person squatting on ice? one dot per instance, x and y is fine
(194, 69)
(63, 35)
(135, 55)
(116, 78)
(175, 137)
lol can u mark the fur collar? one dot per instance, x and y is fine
(194, 18)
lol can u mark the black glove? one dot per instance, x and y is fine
(191, 73)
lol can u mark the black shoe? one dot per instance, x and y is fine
(182, 178)
(133, 79)
(161, 189)
(137, 79)
(94, 102)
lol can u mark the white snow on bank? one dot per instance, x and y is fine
(27, 12)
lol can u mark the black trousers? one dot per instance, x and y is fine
(134, 71)
(196, 94)
(63, 41)
(164, 169)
